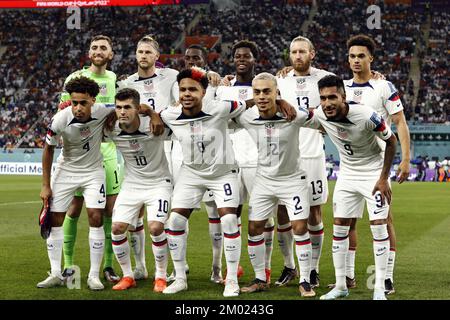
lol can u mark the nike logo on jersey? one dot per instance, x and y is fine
(114, 188)
(160, 215)
(296, 213)
(314, 199)
(226, 200)
(377, 211)
(101, 201)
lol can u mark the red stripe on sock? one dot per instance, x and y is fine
(118, 243)
(138, 229)
(316, 233)
(339, 238)
(232, 236)
(161, 243)
(269, 229)
(285, 230)
(175, 232)
(303, 243)
(381, 240)
(352, 249)
(214, 220)
(392, 249)
(255, 243)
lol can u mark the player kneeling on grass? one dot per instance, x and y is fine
(279, 179)
(363, 177)
(79, 167)
(147, 181)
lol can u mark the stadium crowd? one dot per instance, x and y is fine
(33, 68)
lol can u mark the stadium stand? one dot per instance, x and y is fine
(37, 50)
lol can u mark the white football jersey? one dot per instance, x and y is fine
(356, 140)
(204, 139)
(158, 91)
(244, 147)
(304, 92)
(277, 142)
(81, 150)
(143, 153)
(380, 95)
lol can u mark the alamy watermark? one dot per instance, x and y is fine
(374, 20)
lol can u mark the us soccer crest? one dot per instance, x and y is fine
(357, 95)
(243, 93)
(301, 83)
(103, 89)
(196, 128)
(271, 131)
(85, 132)
(148, 85)
(134, 145)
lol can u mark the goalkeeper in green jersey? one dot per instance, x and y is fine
(100, 53)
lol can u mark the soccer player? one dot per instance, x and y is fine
(363, 177)
(299, 88)
(100, 53)
(79, 167)
(147, 181)
(279, 179)
(245, 54)
(382, 96)
(158, 89)
(208, 163)
(197, 56)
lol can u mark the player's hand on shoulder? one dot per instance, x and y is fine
(382, 186)
(156, 124)
(110, 122)
(122, 77)
(213, 78)
(403, 171)
(287, 109)
(226, 81)
(46, 193)
(64, 105)
(377, 75)
(284, 72)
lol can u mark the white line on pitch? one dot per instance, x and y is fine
(16, 203)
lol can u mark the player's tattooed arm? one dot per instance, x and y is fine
(287, 109)
(382, 184)
(47, 160)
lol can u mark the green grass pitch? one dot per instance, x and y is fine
(421, 215)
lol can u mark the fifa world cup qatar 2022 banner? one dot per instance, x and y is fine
(89, 3)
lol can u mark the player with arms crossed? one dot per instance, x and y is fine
(80, 168)
(100, 53)
(147, 181)
(279, 179)
(381, 96)
(363, 177)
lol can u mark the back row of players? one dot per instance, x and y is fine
(200, 158)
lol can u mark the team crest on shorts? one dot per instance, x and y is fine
(103, 89)
(357, 95)
(301, 83)
(85, 132)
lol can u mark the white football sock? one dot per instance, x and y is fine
(381, 253)
(54, 250)
(304, 255)
(137, 238)
(391, 264)
(268, 238)
(316, 234)
(340, 249)
(256, 252)
(121, 249)
(286, 243)
(350, 263)
(177, 239)
(97, 247)
(232, 243)
(215, 233)
(160, 252)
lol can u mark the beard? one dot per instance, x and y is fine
(100, 63)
